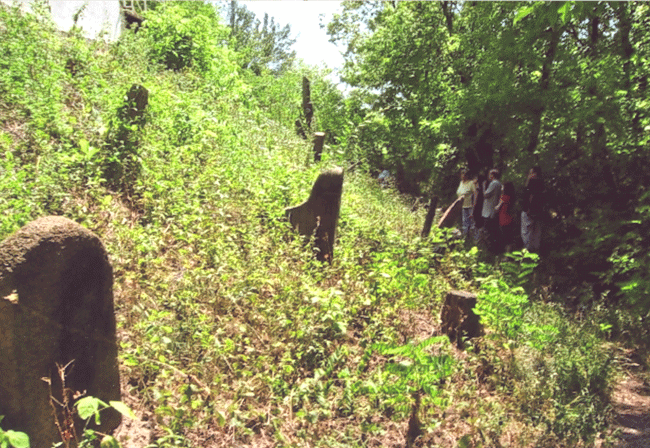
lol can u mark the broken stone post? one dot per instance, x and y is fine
(451, 216)
(457, 319)
(319, 214)
(307, 107)
(300, 131)
(137, 100)
(319, 141)
(56, 307)
(431, 213)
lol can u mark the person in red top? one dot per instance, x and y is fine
(506, 220)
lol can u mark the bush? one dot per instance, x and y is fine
(184, 35)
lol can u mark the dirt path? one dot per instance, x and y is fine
(631, 400)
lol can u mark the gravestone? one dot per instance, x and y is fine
(319, 214)
(319, 141)
(428, 221)
(451, 216)
(56, 306)
(457, 319)
(137, 100)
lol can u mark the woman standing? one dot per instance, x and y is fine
(506, 218)
(466, 190)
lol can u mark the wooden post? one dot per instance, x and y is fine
(319, 141)
(430, 215)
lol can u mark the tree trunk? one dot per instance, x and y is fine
(449, 16)
(538, 110)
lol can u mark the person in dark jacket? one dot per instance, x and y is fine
(532, 210)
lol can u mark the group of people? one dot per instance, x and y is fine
(488, 209)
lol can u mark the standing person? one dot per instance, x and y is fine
(478, 206)
(506, 218)
(533, 210)
(491, 195)
(466, 190)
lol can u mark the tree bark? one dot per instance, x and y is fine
(449, 16)
(538, 110)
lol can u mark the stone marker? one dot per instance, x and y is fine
(137, 100)
(319, 141)
(457, 319)
(451, 216)
(318, 216)
(428, 221)
(56, 305)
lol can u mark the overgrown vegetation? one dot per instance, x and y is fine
(562, 85)
(231, 334)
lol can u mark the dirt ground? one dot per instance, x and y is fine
(631, 400)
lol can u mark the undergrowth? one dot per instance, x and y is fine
(230, 332)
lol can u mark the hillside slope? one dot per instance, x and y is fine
(231, 334)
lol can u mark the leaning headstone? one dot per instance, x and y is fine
(457, 319)
(428, 221)
(319, 141)
(319, 214)
(56, 306)
(451, 216)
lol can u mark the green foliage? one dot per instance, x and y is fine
(15, 439)
(413, 369)
(502, 307)
(31, 74)
(89, 407)
(226, 321)
(261, 46)
(185, 34)
(562, 85)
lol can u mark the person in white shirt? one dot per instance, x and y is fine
(491, 195)
(466, 190)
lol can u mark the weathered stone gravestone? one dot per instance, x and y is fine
(457, 319)
(56, 306)
(319, 141)
(137, 100)
(319, 214)
(451, 216)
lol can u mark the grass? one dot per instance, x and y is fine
(230, 333)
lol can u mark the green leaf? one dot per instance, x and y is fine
(18, 439)
(83, 145)
(123, 409)
(565, 11)
(523, 12)
(89, 406)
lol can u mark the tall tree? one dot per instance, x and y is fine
(262, 45)
(563, 85)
